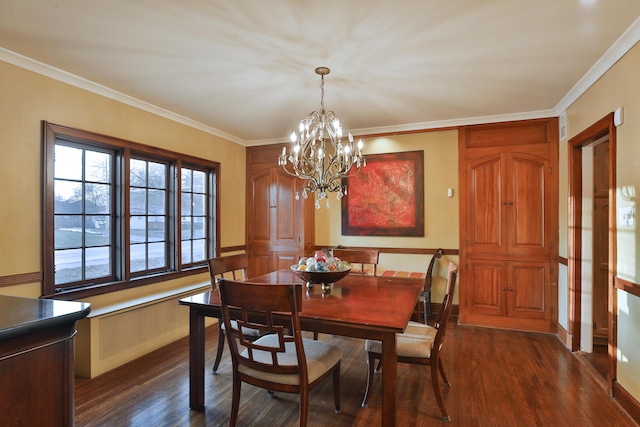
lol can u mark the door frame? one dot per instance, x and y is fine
(603, 127)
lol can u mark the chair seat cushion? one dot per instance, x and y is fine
(245, 331)
(416, 341)
(321, 357)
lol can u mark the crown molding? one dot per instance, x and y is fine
(626, 41)
(79, 82)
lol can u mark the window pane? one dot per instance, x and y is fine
(199, 204)
(67, 231)
(138, 173)
(186, 204)
(68, 266)
(67, 163)
(138, 229)
(67, 197)
(198, 228)
(157, 175)
(199, 181)
(138, 257)
(199, 250)
(157, 228)
(138, 201)
(186, 228)
(98, 230)
(186, 179)
(98, 198)
(98, 167)
(98, 262)
(156, 202)
(156, 255)
(186, 251)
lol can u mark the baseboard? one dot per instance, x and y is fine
(629, 403)
(565, 337)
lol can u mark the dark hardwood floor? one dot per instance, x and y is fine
(499, 378)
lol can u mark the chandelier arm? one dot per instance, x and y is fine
(321, 167)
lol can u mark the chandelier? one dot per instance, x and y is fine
(318, 155)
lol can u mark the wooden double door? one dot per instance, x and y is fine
(509, 213)
(279, 226)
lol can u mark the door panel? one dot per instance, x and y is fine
(485, 206)
(287, 212)
(486, 283)
(527, 204)
(528, 285)
(259, 205)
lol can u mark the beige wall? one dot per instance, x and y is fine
(28, 98)
(441, 212)
(619, 87)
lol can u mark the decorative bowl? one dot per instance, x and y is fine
(323, 277)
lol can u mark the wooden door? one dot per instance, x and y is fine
(600, 298)
(278, 226)
(525, 200)
(509, 212)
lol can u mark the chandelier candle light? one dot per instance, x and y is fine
(309, 158)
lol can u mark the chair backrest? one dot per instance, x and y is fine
(429, 276)
(362, 257)
(234, 264)
(254, 306)
(445, 310)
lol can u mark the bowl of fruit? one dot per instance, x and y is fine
(322, 268)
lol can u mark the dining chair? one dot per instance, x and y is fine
(236, 267)
(420, 344)
(425, 295)
(281, 359)
(361, 257)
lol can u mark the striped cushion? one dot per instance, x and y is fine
(321, 357)
(416, 341)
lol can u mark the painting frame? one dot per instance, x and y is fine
(386, 198)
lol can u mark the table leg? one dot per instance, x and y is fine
(389, 379)
(196, 359)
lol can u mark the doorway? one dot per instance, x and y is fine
(595, 263)
(592, 249)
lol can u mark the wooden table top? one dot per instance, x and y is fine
(384, 303)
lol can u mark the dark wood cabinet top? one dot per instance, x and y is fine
(19, 315)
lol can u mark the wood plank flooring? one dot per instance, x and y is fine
(499, 378)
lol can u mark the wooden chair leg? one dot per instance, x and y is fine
(220, 347)
(304, 405)
(444, 376)
(370, 364)
(235, 400)
(437, 392)
(336, 387)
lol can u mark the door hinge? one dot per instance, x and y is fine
(594, 326)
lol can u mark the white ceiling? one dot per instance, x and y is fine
(244, 69)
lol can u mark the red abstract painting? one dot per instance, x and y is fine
(387, 197)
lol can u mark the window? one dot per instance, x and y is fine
(194, 224)
(119, 214)
(148, 220)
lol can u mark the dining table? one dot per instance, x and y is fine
(358, 306)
